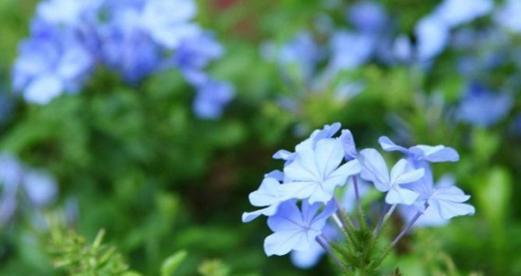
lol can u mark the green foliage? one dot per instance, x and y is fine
(78, 257)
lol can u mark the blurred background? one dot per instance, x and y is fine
(154, 120)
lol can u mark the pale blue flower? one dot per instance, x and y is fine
(349, 50)
(374, 169)
(458, 12)
(316, 172)
(508, 15)
(482, 107)
(438, 153)
(211, 98)
(170, 21)
(327, 131)
(441, 202)
(194, 54)
(432, 35)
(66, 12)
(50, 62)
(301, 53)
(294, 228)
(348, 143)
(269, 195)
(367, 16)
(40, 187)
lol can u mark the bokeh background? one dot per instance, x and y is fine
(138, 157)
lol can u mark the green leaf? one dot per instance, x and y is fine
(173, 262)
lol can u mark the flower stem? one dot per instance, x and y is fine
(407, 228)
(357, 192)
(323, 242)
(384, 219)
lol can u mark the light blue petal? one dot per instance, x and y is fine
(43, 89)
(374, 169)
(282, 242)
(401, 196)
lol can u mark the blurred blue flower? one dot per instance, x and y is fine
(294, 228)
(40, 187)
(432, 35)
(368, 16)
(135, 38)
(349, 50)
(374, 169)
(169, 22)
(211, 97)
(508, 15)
(50, 62)
(482, 107)
(458, 12)
(194, 54)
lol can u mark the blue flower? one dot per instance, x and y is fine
(508, 15)
(374, 169)
(50, 62)
(194, 54)
(432, 36)
(316, 172)
(349, 50)
(367, 16)
(170, 21)
(294, 228)
(439, 203)
(481, 107)
(327, 131)
(40, 187)
(211, 98)
(458, 12)
(269, 195)
(438, 153)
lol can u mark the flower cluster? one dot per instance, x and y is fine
(17, 182)
(326, 175)
(133, 37)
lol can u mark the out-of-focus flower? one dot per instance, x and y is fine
(367, 16)
(482, 107)
(508, 15)
(134, 38)
(50, 62)
(15, 179)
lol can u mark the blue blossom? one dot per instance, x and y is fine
(374, 169)
(482, 107)
(438, 203)
(50, 62)
(367, 16)
(508, 15)
(432, 37)
(327, 131)
(294, 228)
(40, 187)
(316, 172)
(438, 153)
(135, 38)
(269, 195)
(194, 54)
(169, 22)
(211, 98)
(458, 12)
(349, 50)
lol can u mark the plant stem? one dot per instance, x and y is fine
(384, 219)
(323, 242)
(357, 192)
(407, 228)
